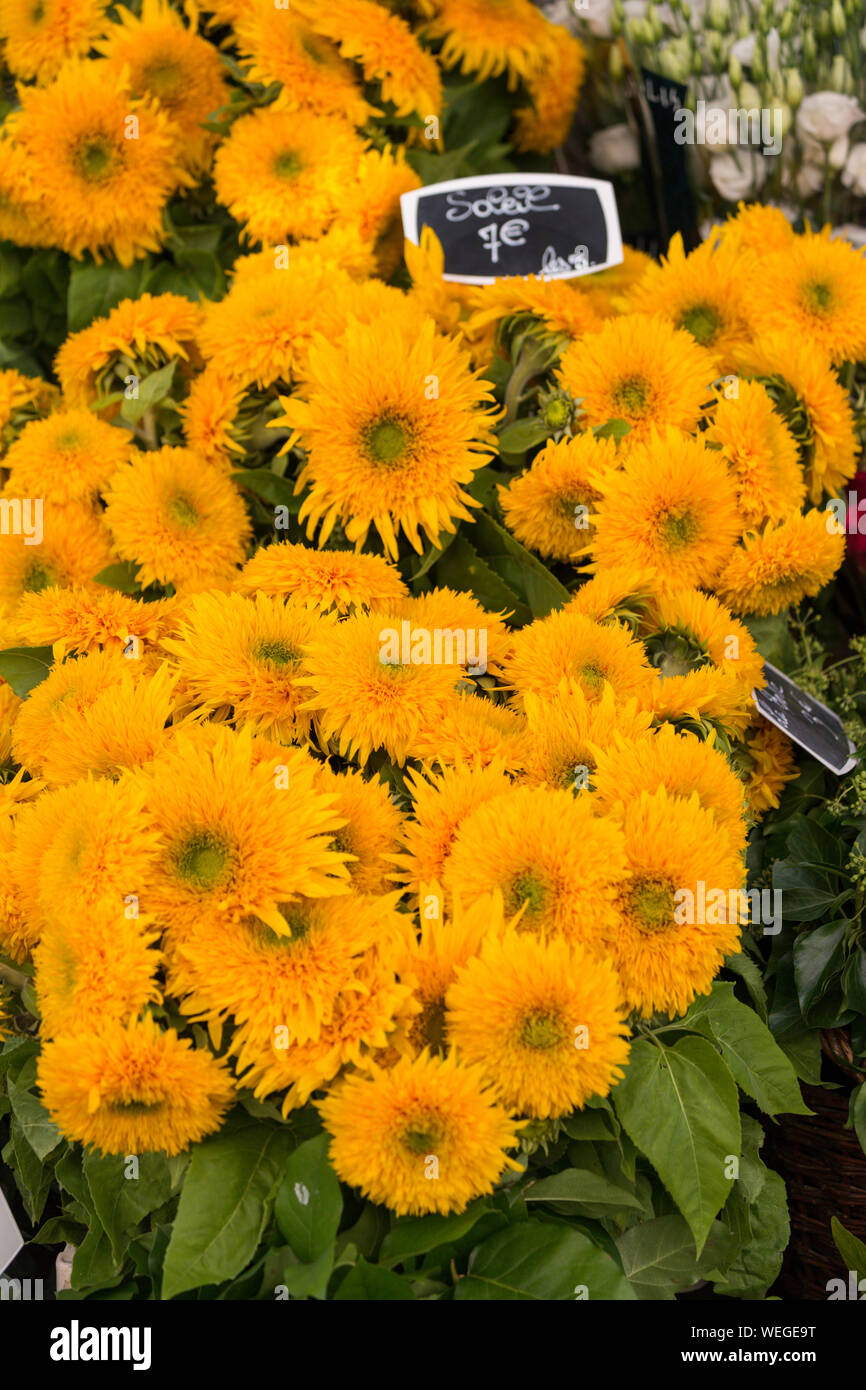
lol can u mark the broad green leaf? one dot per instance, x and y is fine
(270, 486)
(151, 390)
(802, 1046)
(854, 980)
(679, 1105)
(25, 667)
(613, 429)
(372, 1283)
(462, 567)
(415, 1235)
(852, 1250)
(121, 1202)
(858, 1114)
(591, 1124)
(584, 1191)
(120, 576)
(659, 1256)
(757, 1265)
(757, 1062)
(224, 1205)
(31, 1174)
(535, 1260)
(37, 1126)
(94, 1262)
(308, 1280)
(750, 974)
(521, 435)
(806, 895)
(818, 956)
(309, 1202)
(518, 567)
(60, 1230)
(96, 289)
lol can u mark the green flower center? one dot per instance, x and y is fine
(276, 653)
(386, 441)
(38, 577)
(650, 901)
(428, 1027)
(95, 157)
(817, 297)
(702, 321)
(590, 674)
(135, 1107)
(163, 78)
(183, 511)
(527, 888)
(203, 860)
(679, 529)
(541, 1031)
(556, 413)
(70, 439)
(632, 395)
(422, 1136)
(287, 165)
(676, 651)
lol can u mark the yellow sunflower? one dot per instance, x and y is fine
(394, 431)
(361, 698)
(605, 288)
(782, 564)
(94, 714)
(75, 547)
(548, 853)
(19, 929)
(617, 591)
(21, 217)
(813, 403)
(22, 398)
(543, 1021)
(707, 695)
(93, 969)
(761, 453)
(441, 802)
(706, 293)
(178, 518)
(283, 173)
(9, 707)
(371, 834)
(172, 64)
(39, 38)
(672, 509)
(569, 646)
(134, 339)
(133, 1088)
(771, 763)
(489, 37)
(67, 458)
(75, 619)
(371, 204)
(642, 370)
(686, 630)
(566, 732)
(479, 638)
(670, 942)
(755, 228)
(549, 507)
(342, 580)
(553, 92)
(104, 181)
(211, 417)
(238, 837)
(472, 729)
(243, 655)
(681, 763)
(386, 50)
(279, 47)
(424, 1136)
(559, 305)
(814, 291)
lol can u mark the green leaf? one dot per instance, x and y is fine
(274, 489)
(858, 1114)
(461, 567)
(612, 429)
(802, 1046)
(121, 1202)
(304, 1280)
(659, 1256)
(373, 1283)
(757, 1265)
(852, 1250)
(151, 390)
(60, 1230)
(224, 1205)
(94, 1262)
(521, 435)
(539, 1260)
(416, 1235)
(121, 577)
(854, 980)
(583, 1192)
(679, 1105)
(591, 1124)
(520, 569)
(309, 1202)
(757, 1062)
(806, 896)
(37, 1126)
(94, 290)
(31, 1174)
(751, 976)
(818, 956)
(25, 667)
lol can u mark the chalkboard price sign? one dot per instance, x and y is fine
(805, 720)
(551, 225)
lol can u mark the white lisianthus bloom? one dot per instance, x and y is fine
(615, 149)
(837, 153)
(854, 173)
(736, 177)
(596, 15)
(825, 116)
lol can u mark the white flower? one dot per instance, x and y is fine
(854, 173)
(849, 231)
(596, 15)
(744, 49)
(825, 116)
(614, 149)
(810, 180)
(837, 154)
(737, 177)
